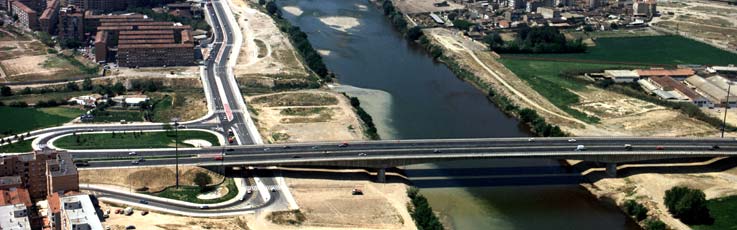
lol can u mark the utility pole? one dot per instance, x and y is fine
(176, 149)
(726, 107)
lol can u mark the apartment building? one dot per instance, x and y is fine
(27, 17)
(49, 19)
(34, 175)
(71, 24)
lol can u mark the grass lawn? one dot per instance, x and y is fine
(669, 50)
(17, 147)
(544, 77)
(131, 140)
(189, 193)
(724, 211)
(33, 98)
(116, 115)
(21, 120)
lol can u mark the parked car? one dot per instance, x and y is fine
(144, 213)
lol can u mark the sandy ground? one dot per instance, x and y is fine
(648, 183)
(340, 23)
(155, 221)
(719, 112)
(326, 201)
(711, 22)
(266, 50)
(155, 179)
(424, 6)
(621, 115)
(314, 121)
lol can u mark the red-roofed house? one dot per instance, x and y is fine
(678, 74)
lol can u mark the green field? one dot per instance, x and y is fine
(668, 50)
(33, 98)
(189, 193)
(545, 78)
(132, 140)
(17, 147)
(116, 115)
(724, 212)
(21, 120)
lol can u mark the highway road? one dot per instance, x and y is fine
(376, 151)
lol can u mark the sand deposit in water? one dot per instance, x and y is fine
(293, 10)
(324, 52)
(340, 23)
(375, 102)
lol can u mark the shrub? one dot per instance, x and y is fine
(653, 224)
(688, 205)
(636, 210)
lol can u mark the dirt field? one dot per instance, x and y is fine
(328, 203)
(424, 6)
(155, 179)
(308, 115)
(621, 115)
(708, 21)
(266, 51)
(648, 183)
(155, 221)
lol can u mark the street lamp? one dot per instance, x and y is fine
(726, 107)
(176, 149)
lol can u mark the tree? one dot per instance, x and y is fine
(636, 210)
(462, 24)
(87, 84)
(5, 91)
(688, 205)
(493, 40)
(45, 38)
(261, 2)
(414, 33)
(271, 8)
(71, 86)
(653, 224)
(201, 179)
(118, 88)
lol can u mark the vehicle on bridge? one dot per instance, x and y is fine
(580, 148)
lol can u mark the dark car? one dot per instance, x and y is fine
(714, 147)
(342, 145)
(296, 157)
(143, 201)
(659, 147)
(231, 150)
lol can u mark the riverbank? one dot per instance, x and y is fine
(290, 103)
(647, 183)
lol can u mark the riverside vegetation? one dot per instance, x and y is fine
(537, 123)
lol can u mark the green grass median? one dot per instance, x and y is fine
(17, 147)
(189, 193)
(133, 140)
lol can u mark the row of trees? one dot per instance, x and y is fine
(395, 16)
(421, 211)
(371, 131)
(312, 59)
(535, 40)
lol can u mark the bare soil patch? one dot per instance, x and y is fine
(157, 221)
(424, 6)
(155, 179)
(307, 115)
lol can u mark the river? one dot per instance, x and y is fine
(419, 98)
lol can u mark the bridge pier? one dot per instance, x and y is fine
(381, 175)
(611, 169)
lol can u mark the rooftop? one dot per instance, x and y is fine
(621, 73)
(65, 165)
(14, 217)
(665, 72)
(80, 212)
(23, 7)
(669, 84)
(14, 196)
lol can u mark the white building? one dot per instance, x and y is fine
(131, 100)
(14, 217)
(622, 76)
(77, 212)
(86, 100)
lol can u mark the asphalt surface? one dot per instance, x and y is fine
(308, 153)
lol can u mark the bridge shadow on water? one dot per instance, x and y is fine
(495, 176)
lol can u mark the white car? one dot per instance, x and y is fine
(571, 140)
(531, 139)
(132, 153)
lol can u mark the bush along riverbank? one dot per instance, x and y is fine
(421, 211)
(370, 128)
(314, 61)
(537, 123)
(309, 55)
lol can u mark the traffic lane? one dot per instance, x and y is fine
(357, 155)
(282, 149)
